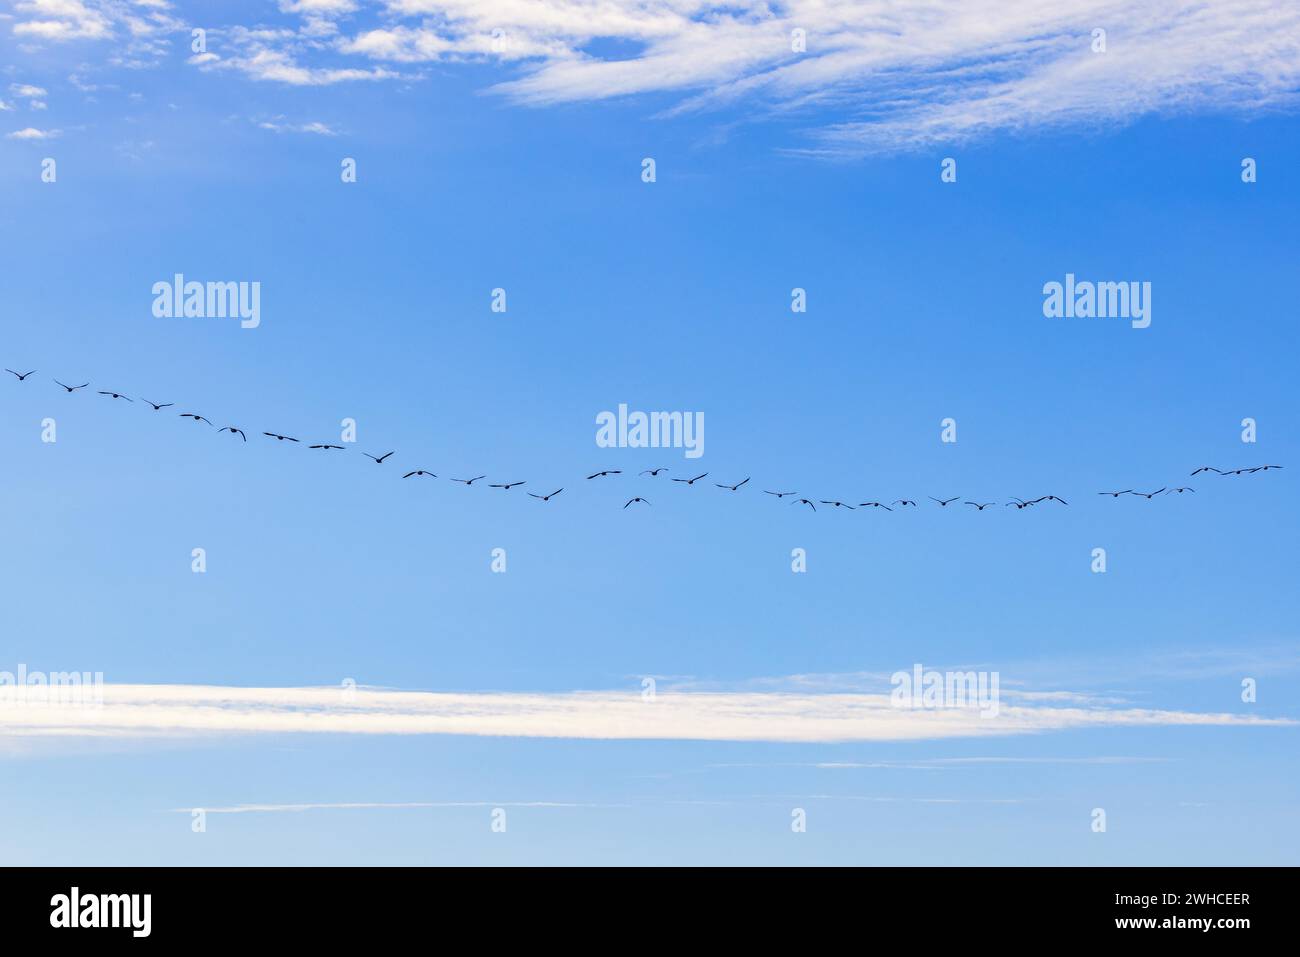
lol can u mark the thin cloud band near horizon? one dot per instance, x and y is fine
(144, 711)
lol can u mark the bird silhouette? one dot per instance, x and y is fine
(115, 395)
(379, 459)
(1263, 468)
(20, 375)
(279, 438)
(419, 472)
(158, 406)
(692, 481)
(606, 472)
(874, 505)
(72, 388)
(903, 501)
(1181, 490)
(1206, 468)
(324, 445)
(1150, 495)
(637, 499)
(980, 506)
(547, 498)
(945, 502)
(506, 485)
(654, 472)
(194, 416)
(1118, 494)
(1018, 503)
(469, 481)
(731, 488)
(804, 501)
(232, 430)
(836, 504)
(1235, 472)
(1049, 498)
(777, 494)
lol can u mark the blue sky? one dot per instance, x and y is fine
(518, 169)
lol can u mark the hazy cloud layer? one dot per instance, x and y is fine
(880, 74)
(136, 711)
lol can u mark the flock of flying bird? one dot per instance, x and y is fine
(1017, 503)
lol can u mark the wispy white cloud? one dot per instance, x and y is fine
(135, 149)
(939, 764)
(138, 28)
(61, 20)
(32, 133)
(278, 124)
(268, 56)
(65, 20)
(580, 805)
(181, 710)
(385, 805)
(877, 74)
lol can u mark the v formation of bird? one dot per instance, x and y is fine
(902, 503)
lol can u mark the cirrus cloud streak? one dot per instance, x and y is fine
(867, 75)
